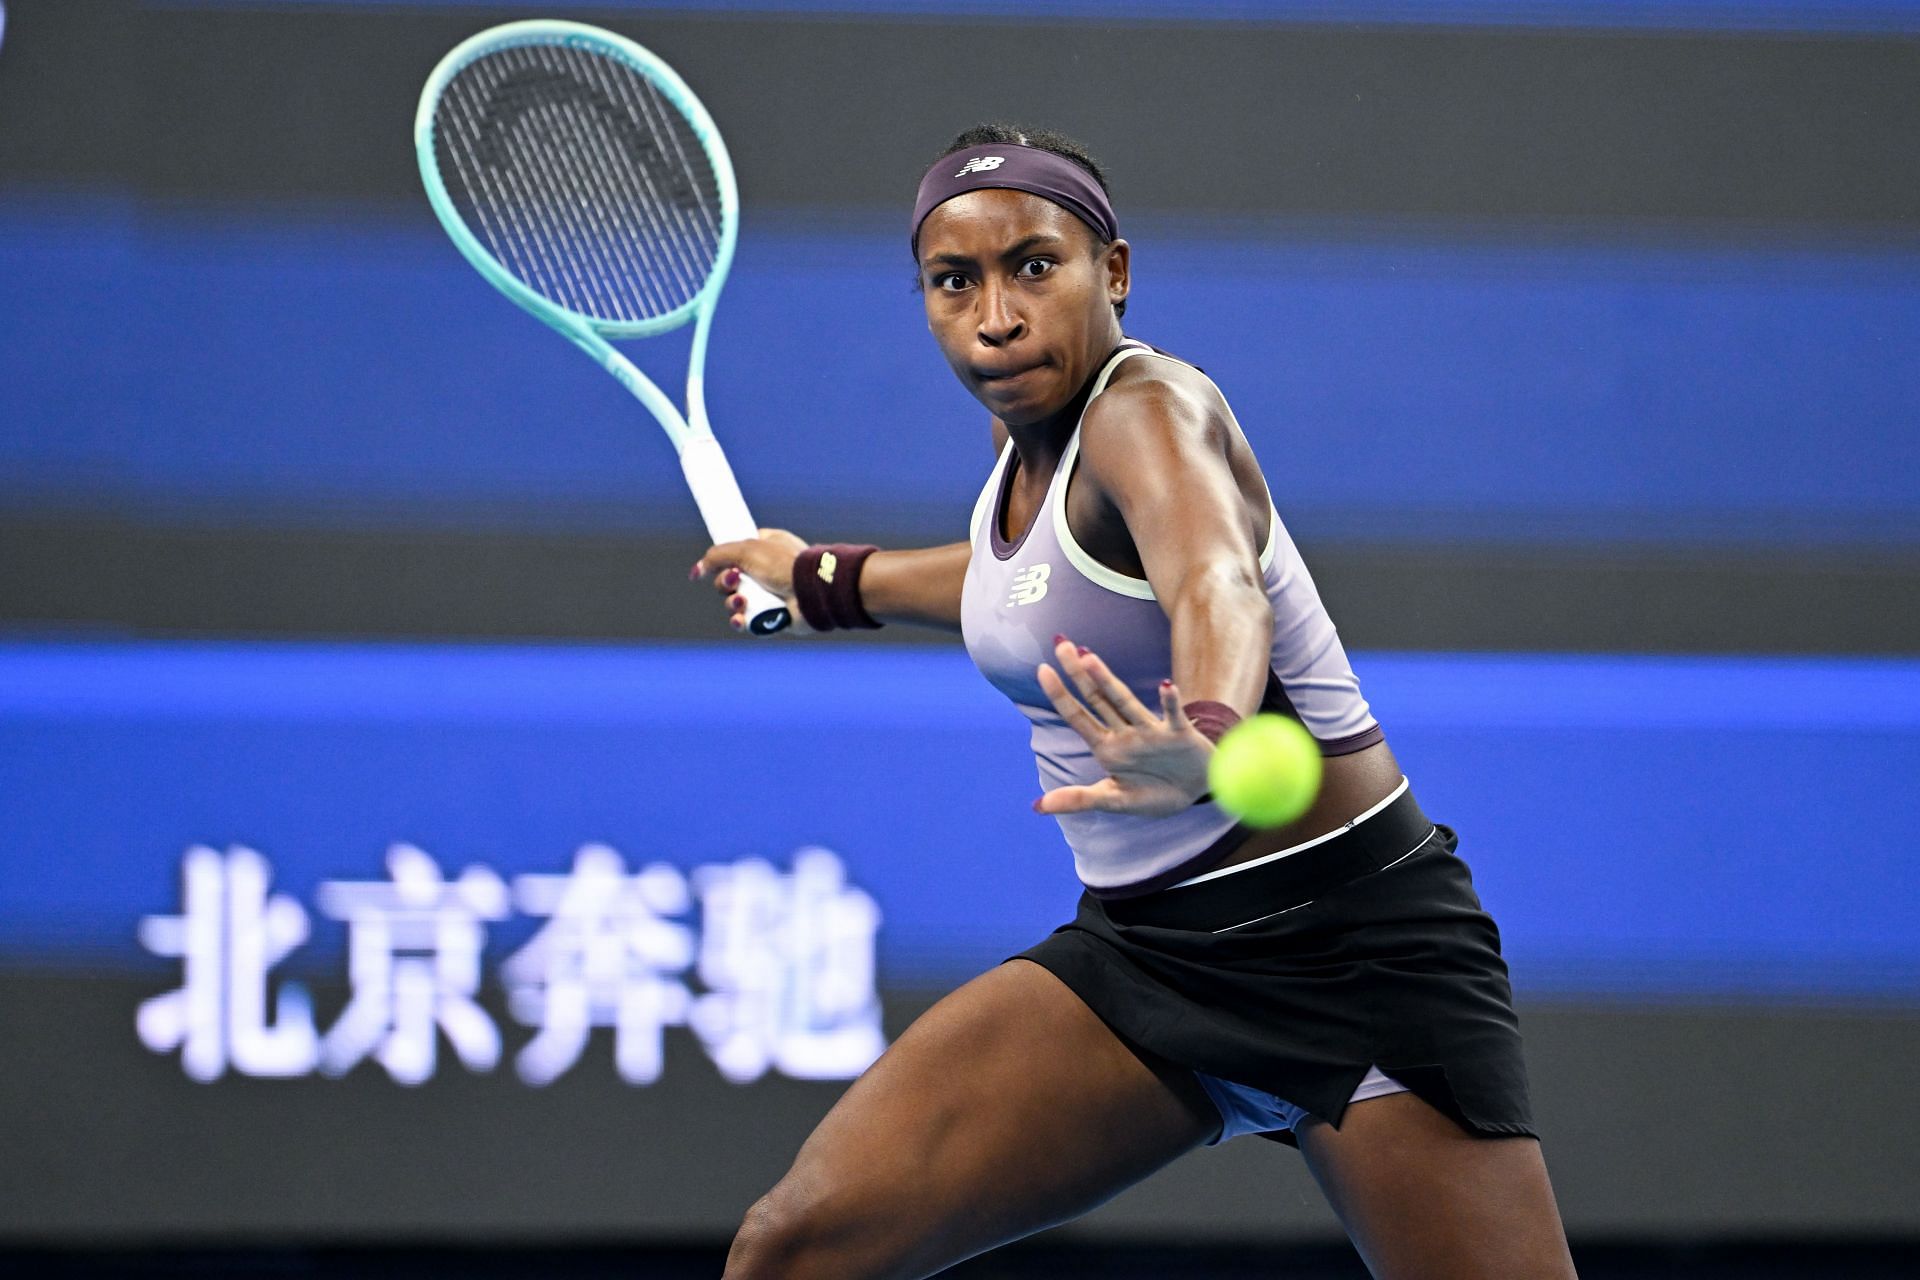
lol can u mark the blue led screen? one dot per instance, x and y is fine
(1641, 827)
(348, 370)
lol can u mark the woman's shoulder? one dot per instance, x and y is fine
(1151, 397)
(1160, 445)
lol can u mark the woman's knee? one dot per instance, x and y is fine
(790, 1235)
(768, 1241)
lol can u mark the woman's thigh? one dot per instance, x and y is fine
(1425, 1200)
(1008, 1107)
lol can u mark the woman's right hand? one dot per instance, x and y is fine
(767, 559)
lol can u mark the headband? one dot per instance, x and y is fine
(1021, 168)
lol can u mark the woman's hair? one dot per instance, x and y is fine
(1046, 140)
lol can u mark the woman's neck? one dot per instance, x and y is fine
(1040, 443)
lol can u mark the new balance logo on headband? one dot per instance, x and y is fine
(981, 164)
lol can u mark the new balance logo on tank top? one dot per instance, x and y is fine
(1020, 594)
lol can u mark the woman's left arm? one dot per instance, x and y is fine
(1158, 452)
(1158, 455)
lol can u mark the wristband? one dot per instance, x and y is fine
(1212, 719)
(826, 585)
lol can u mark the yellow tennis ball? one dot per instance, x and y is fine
(1266, 771)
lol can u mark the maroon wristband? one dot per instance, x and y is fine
(826, 583)
(1212, 719)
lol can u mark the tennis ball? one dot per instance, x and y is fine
(1266, 771)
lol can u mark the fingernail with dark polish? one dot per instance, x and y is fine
(694, 573)
(1059, 639)
(731, 578)
(1084, 651)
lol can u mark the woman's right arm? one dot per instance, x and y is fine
(920, 586)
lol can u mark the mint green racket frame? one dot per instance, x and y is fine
(705, 465)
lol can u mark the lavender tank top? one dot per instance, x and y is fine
(1019, 595)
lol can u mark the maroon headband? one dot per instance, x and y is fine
(1021, 168)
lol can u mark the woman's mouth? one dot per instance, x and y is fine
(1001, 377)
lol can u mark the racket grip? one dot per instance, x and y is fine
(718, 495)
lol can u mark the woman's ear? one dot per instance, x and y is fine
(1119, 265)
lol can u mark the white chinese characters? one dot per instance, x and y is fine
(413, 955)
(611, 954)
(771, 970)
(228, 935)
(788, 965)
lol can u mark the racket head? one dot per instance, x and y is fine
(577, 172)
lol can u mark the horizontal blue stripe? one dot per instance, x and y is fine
(1642, 828)
(467, 685)
(1736, 15)
(1396, 383)
(299, 683)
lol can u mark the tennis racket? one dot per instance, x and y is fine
(583, 179)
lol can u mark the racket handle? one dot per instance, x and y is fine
(727, 518)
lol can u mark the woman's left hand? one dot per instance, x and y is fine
(1156, 764)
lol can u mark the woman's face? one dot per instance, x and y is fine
(1019, 300)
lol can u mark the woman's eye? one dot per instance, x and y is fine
(950, 282)
(1035, 267)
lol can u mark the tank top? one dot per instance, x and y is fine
(1020, 594)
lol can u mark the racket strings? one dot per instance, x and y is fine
(693, 245)
(552, 129)
(582, 179)
(505, 216)
(613, 263)
(565, 136)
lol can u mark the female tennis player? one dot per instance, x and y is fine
(1333, 984)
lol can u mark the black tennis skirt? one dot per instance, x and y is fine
(1297, 975)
